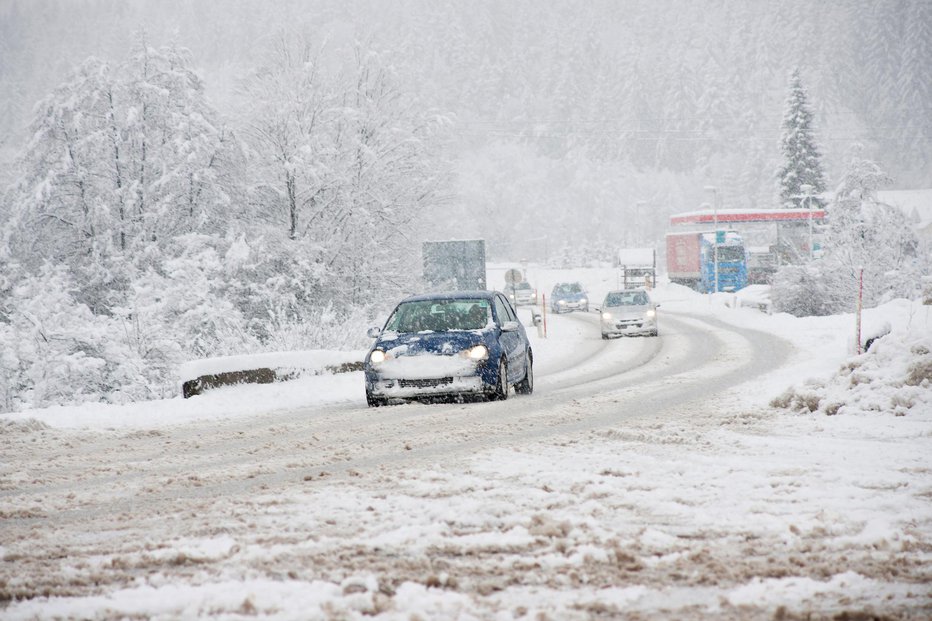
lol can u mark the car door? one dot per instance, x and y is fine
(512, 342)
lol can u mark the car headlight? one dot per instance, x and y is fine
(562, 302)
(583, 301)
(650, 314)
(606, 316)
(479, 352)
(377, 356)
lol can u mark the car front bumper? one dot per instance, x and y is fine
(629, 326)
(569, 306)
(421, 388)
(438, 376)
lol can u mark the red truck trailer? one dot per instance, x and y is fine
(697, 259)
(684, 266)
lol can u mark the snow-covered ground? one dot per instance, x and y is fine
(725, 508)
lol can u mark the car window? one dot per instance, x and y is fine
(503, 310)
(730, 253)
(439, 315)
(512, 315)
(627, 298)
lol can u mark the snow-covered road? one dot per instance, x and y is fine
(631, 482)
(612, 382)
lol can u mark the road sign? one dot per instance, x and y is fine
(513, 276)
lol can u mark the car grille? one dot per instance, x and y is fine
(425, 383)
(629, 323)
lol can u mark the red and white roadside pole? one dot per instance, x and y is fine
(860, 304)
(543, 311)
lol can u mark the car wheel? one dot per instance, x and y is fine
(526, 386)
(501, 390)
(604, 337)
(374, 402)
(654, 333)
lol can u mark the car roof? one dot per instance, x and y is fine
(627, 290)
(450, 295)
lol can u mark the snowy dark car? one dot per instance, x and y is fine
(628, 312)
(464, 344)
(568, 296)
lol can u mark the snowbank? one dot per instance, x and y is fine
(893, 377)
(313, 361)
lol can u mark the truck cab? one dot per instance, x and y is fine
(728, 249)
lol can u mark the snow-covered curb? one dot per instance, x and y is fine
(313, 361)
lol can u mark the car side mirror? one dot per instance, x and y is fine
(510, 326)
(656, 305)
(374, 332)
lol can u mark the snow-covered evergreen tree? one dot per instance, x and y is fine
(802, 160)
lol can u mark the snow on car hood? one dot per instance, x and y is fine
(627, 311)
(424, 355)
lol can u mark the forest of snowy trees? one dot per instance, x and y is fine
(186, 179)
(594, 104)
(144, 230)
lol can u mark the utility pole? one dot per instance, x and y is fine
(714, 191)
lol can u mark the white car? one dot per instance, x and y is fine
(628, 312)
(522, 294)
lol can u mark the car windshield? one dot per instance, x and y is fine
(522, 285)
(568, 288)
(626, 298)
(730, 253)
(439, 316)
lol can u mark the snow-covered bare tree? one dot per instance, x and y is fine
(122, 158)
(802, 160)
(287, 106)
(173, 146)
(866, 233)
(345, 163)
(388, 177)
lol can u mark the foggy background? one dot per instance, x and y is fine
(568, 122)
